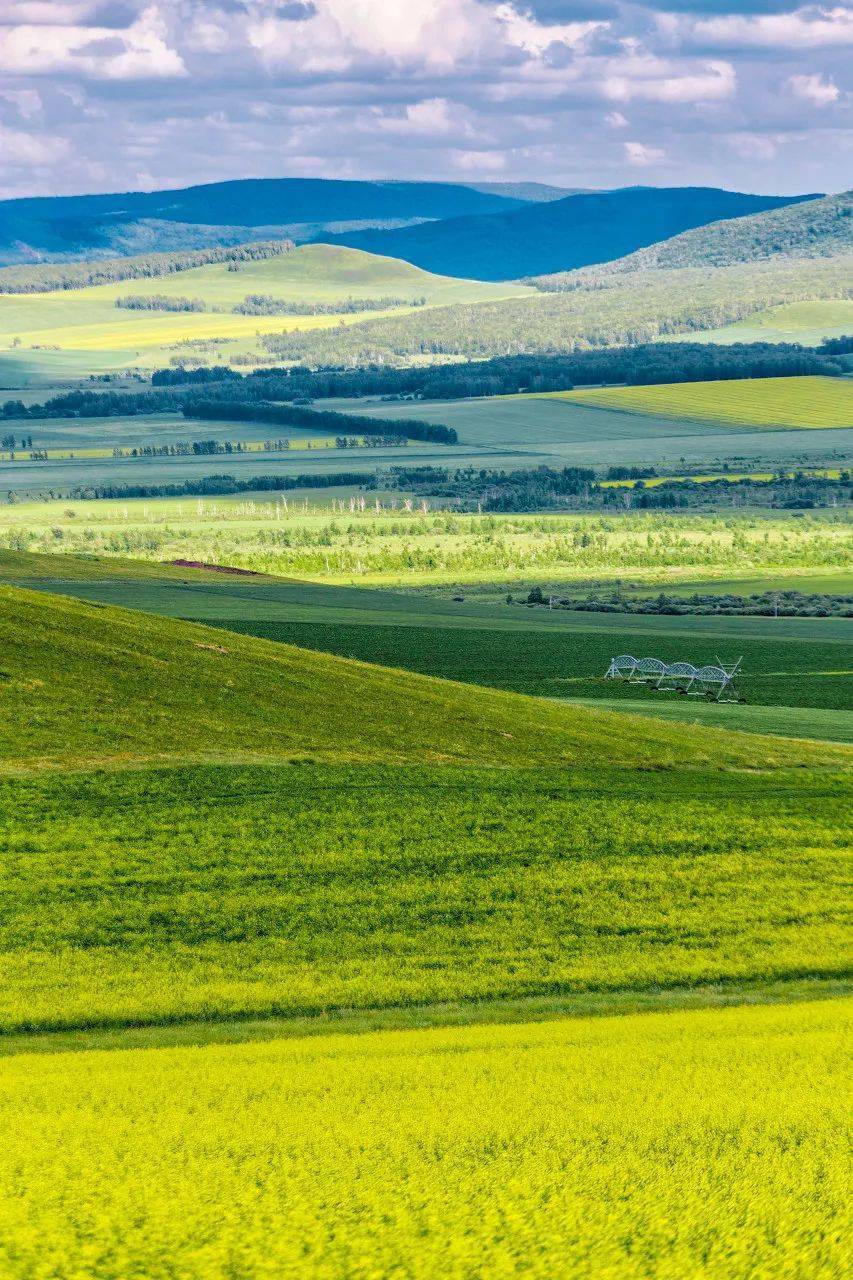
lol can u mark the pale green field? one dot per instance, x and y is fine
(707, 1144)
(810, 402)
(386, 545)
(87, 321)
(806, 322)
(827, 723)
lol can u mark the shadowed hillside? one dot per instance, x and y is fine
(562, 234)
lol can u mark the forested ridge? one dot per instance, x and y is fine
(607, 312)
(814, 229)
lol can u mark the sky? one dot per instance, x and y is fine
(114, 95)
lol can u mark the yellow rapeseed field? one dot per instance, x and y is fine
(746, 402)
(672, 1146)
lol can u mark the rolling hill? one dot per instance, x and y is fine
(292, 832)
(223, 213)
(810, 229)
(559, 235)
(82, 318)
(623, 311)
(158, 688)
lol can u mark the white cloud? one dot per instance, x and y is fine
(484, 162)
(139, 52)
(649, 80)
(27, 102)
(807, 28)
(27, 149)
(616, 120)
(640, 155)
(821, 91)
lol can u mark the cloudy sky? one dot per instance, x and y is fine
(107, 95)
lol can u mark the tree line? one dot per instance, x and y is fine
(220, 485)
(46, 277)
(641, 365)
(263, 304)
(159, 302)
(318, 419)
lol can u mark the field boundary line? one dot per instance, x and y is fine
(242, 1029)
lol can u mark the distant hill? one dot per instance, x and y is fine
(621, 310)
(558, 235)
(809, 229)
(225, 213)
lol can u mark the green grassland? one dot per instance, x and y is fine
(557, 431)
(793, 666)
(393, 547)
(87, 323)
(351, 838)
(809, 323)
(810, 402)
(212, 838)
(639, 307)
(706, 1144)
(828, 724)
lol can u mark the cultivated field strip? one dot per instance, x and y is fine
(683, 1144)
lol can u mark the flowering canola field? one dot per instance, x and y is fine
(673, 1145)
(746, 402)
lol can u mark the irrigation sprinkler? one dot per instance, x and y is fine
(714, 681)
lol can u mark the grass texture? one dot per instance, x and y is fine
(83, 683)
(154, 896)
(807, 402)
(707, 1144)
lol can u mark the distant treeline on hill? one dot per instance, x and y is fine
(654, 363)
(211, 486)
(263, 304)
(80, 275)
(318, 419)
(159, 302)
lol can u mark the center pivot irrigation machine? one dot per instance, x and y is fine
(714, 682)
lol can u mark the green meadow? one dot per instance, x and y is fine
(298, 832)
(811, 402)
(87, 331)
(809, 323)
(262, 868)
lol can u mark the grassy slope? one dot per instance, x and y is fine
(641, 307)
(806, 322)
(705, 1144)
(371, 874)
(789, 663)
(88, 320)
(161, 688)
(763, 402)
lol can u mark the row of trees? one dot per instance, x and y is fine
(159, 302)
(216, 485)
(263, 304)
(645, 364)
(49, 276)
(318, 419)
